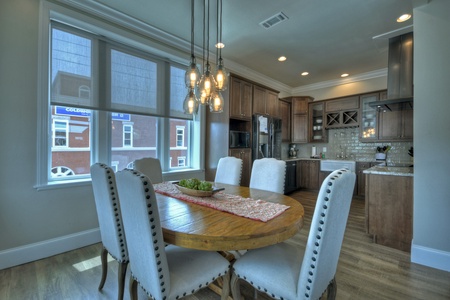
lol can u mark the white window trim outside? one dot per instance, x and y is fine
(50, 10)
(60, 120)
(130, 132)
(180, 128)
(181, 159)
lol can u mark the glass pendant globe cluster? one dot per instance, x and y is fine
(205, 89)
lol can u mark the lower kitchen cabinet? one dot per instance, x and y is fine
(389, 210)
(361, 177)
(246, 155)
(308, 174)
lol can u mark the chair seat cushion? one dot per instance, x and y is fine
(282, 272)
(190, 268)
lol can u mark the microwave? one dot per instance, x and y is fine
(239, 139)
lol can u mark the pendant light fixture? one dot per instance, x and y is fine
(192, 76)
(208, 85)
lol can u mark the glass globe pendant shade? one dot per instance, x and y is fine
(216, 104)
(190, 104)
(221, 77)
(207, 83)
(192, 76)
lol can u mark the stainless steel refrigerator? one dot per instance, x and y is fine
(266, 137)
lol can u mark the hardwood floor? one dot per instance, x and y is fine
(365, 270)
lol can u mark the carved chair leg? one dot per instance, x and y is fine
(103, 256)
(121, 277)
(133, 288)
(225, 286)
(235, 287)
(332, 289)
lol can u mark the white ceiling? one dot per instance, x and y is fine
(324, 37)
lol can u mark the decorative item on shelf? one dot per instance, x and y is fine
(207, 85)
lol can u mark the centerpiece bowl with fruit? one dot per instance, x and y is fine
(196, 187)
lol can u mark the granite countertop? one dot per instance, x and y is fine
(387, 170)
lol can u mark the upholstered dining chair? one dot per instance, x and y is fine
(162, 272)
(151, 167)
(268, 174)
(287, 271)
(229, 170)
(110, 222)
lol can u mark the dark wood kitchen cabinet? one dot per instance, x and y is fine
(246, 155)
(241, 95)
(396, 123)
(290, 183)
(284, 108)
(317, 132)
(265, 101)
(389, 210)
(308, 174)
(342, 112)
(300, 120)
(361, 177)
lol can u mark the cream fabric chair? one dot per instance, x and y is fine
(285, 271)
(151, 167)
(268, 174)
(229, 170)
(162, 272)
(110, 222)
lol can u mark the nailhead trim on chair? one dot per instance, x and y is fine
(319, 236)
(157, 250)
(124, 258)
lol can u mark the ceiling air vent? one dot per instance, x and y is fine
(274, 20)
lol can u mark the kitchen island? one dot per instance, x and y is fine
(389, 205)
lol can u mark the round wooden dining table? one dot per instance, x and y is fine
(200, 227)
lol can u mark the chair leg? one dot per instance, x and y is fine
(225, 287)
(103, 256)
(235, 288)
(332, 290)
(121, 277)
(133, 288)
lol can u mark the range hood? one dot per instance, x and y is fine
(400, 72)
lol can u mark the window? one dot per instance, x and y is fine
(127, 135)
(180, 136)
(95, 81)
(60, 133)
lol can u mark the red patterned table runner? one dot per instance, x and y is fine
(245, 207)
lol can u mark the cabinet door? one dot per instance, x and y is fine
(300, 105)
(368, 124)
(314, 169)
(407, 121)
(361, 177)
(285, 115)
(272, 103)
(246, 155)
(259, 100)
(390, 123)
(303, 174)
(317, 132)
(241, 99)
(299, 128)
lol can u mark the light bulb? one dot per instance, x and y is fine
(216, 104)
(190, 104)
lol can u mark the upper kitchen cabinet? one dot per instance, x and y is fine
(368, 129)
(265, 101)
(300, 119)
(396, 122)
(317, 132)
(241, 96)
(342, 112)
(284, 109)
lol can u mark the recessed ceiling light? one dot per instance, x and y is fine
(344, 75)
(403, 18)
(305, 73)
(220, 45)
(282, 58)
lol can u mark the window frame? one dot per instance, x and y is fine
(101, 145)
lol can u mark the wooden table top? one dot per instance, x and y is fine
(199, 227)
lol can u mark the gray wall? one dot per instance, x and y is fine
(432, 134)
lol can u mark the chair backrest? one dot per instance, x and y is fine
(268, 174)
(229, 170)
(151, 167)
(148, 261)
(108, 211)
(326, 234)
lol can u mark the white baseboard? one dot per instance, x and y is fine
(24, 254)
(430, 257)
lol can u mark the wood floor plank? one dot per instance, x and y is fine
(365, 271)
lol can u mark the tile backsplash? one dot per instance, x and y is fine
(344, 144)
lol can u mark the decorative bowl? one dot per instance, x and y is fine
(197, 193)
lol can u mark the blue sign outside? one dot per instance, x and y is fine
(81, 112)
